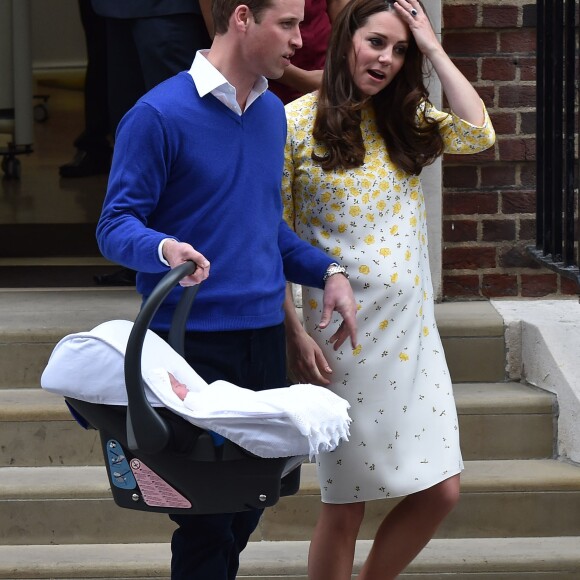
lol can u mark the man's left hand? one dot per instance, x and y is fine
(338, 295)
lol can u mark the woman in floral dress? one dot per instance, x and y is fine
(351, 186)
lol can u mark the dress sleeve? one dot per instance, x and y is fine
(460, 136)
(304, 263)
(288, 175)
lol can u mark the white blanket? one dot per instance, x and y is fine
(296, 420)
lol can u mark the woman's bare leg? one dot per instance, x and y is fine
(333, 542)
(407, 529)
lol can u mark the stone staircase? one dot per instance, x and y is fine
(517, 517)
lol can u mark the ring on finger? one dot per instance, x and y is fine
(413, 12)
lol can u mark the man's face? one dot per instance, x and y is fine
(272, 41)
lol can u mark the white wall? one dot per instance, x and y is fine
(431, 178)
(57, 36)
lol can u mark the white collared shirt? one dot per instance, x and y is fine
(208, 79)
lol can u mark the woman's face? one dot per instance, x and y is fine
(378, 52)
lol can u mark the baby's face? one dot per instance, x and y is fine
(174, 382)
(178, 388)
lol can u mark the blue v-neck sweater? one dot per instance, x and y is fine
(190, 168)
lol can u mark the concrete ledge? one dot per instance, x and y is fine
(501, 398)
(55, 505)
(472, 336)
(498, 499)
(543, 346)
(35, 320)
(497, 421)
(34, 404)
(60, 311)
(89, 482)
(463, 558)
(42, 315)
(468, 319)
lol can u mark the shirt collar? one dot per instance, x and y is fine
(208, 79)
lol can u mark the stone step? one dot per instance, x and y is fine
(505, 421)
(510, 498)
(36, 429)
(555, 558)
(34, 320)
(54, 271)
(473, 339)
(497, 421)
(499, 498)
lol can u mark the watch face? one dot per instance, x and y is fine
(334, 269)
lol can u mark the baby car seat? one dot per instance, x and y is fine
(159, 462)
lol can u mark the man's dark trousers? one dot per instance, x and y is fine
(207, 547)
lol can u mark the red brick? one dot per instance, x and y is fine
(496, 285)
(500, 16)
(460, 176)
(469, 258)
(468, 66)
(529, 122)
(498, 69)
(527, 68)
(498, 230)
(470, 203)
(516, 96)
(460, 231)
(519, 149)
(536, 285)
(498, 176)
(462, 286)
(528, 175)
(490, 221)
(528, 229)
(487, 94)
(516, 256)
(520, 41)
(459, 16)
(504, 123)
(451, 159)
(470, 43)
(518, 202)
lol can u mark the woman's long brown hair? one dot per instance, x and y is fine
(411, 146)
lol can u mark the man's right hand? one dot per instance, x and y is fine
(176, 253)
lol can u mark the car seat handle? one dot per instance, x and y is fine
(147, 431)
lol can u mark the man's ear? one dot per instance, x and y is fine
(242, 15)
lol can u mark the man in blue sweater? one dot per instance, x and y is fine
(196, 176)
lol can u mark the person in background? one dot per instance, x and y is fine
(147, 42)
(351, 186)
(304, 74)
(93, 145)
(196, 175)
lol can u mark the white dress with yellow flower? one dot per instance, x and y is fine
(404, 435)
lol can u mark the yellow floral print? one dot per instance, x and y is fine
(377, 228)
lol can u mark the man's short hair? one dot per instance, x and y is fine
(222, 10)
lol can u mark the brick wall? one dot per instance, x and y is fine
(489, 198)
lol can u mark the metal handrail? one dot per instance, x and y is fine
(557, 103)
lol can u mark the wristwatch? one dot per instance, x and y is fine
(333, 269)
